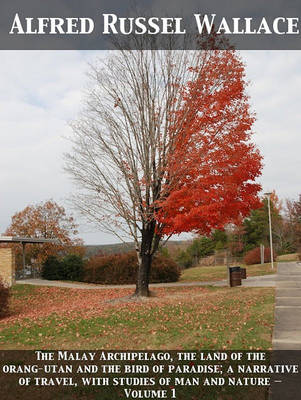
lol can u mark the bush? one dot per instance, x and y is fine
(253, 256)
(51, 268)
(70, 268)
(123, 268)
(4, 299)
(164, 270)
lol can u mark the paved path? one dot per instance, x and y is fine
(287, 330)
(260, 281)
(44, 282)
(257, 281)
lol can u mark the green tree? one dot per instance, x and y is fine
(200, 247)
(256, 226)
(220, 239)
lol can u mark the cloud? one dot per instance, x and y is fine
(275, 83)
(42, 90)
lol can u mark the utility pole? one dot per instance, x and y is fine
(268, 195)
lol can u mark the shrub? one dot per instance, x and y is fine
(71, 268)
(253, 256)
(51, 268)
(164, 270)
(123, 268)
(4, 299)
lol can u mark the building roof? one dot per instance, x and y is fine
(18, 239)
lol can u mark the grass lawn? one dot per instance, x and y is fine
(174, 318)
(288, 257)
(214, 273)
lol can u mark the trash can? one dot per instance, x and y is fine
(234, 276)
(243, 273)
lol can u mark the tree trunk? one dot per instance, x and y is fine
(145, 261)
(143, 275)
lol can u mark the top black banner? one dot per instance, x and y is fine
(150, 24)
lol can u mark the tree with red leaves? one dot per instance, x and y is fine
(213, 183)
(164, 146)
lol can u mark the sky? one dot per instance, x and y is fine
(42, 91)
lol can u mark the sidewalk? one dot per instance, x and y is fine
(287, 330)
(44, 282)
(255, 281)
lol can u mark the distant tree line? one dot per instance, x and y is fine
(65, 260)
(251, 233)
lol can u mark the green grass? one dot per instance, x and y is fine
(210, 318)
(23, 290)
(289, 257)
(187, 318)
(214, 273)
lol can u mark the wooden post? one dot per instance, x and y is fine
(261, 253)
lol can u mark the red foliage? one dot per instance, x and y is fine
(213, 166)
(123, 269)
(253, 256)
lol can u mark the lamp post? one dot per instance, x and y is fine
(268, 195)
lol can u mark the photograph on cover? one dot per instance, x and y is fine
(150, 225)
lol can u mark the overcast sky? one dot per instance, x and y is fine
(42, 91)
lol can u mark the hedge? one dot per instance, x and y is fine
(123, 268)
(70, 268)
(253, 256)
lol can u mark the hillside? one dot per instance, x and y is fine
(91, 250)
